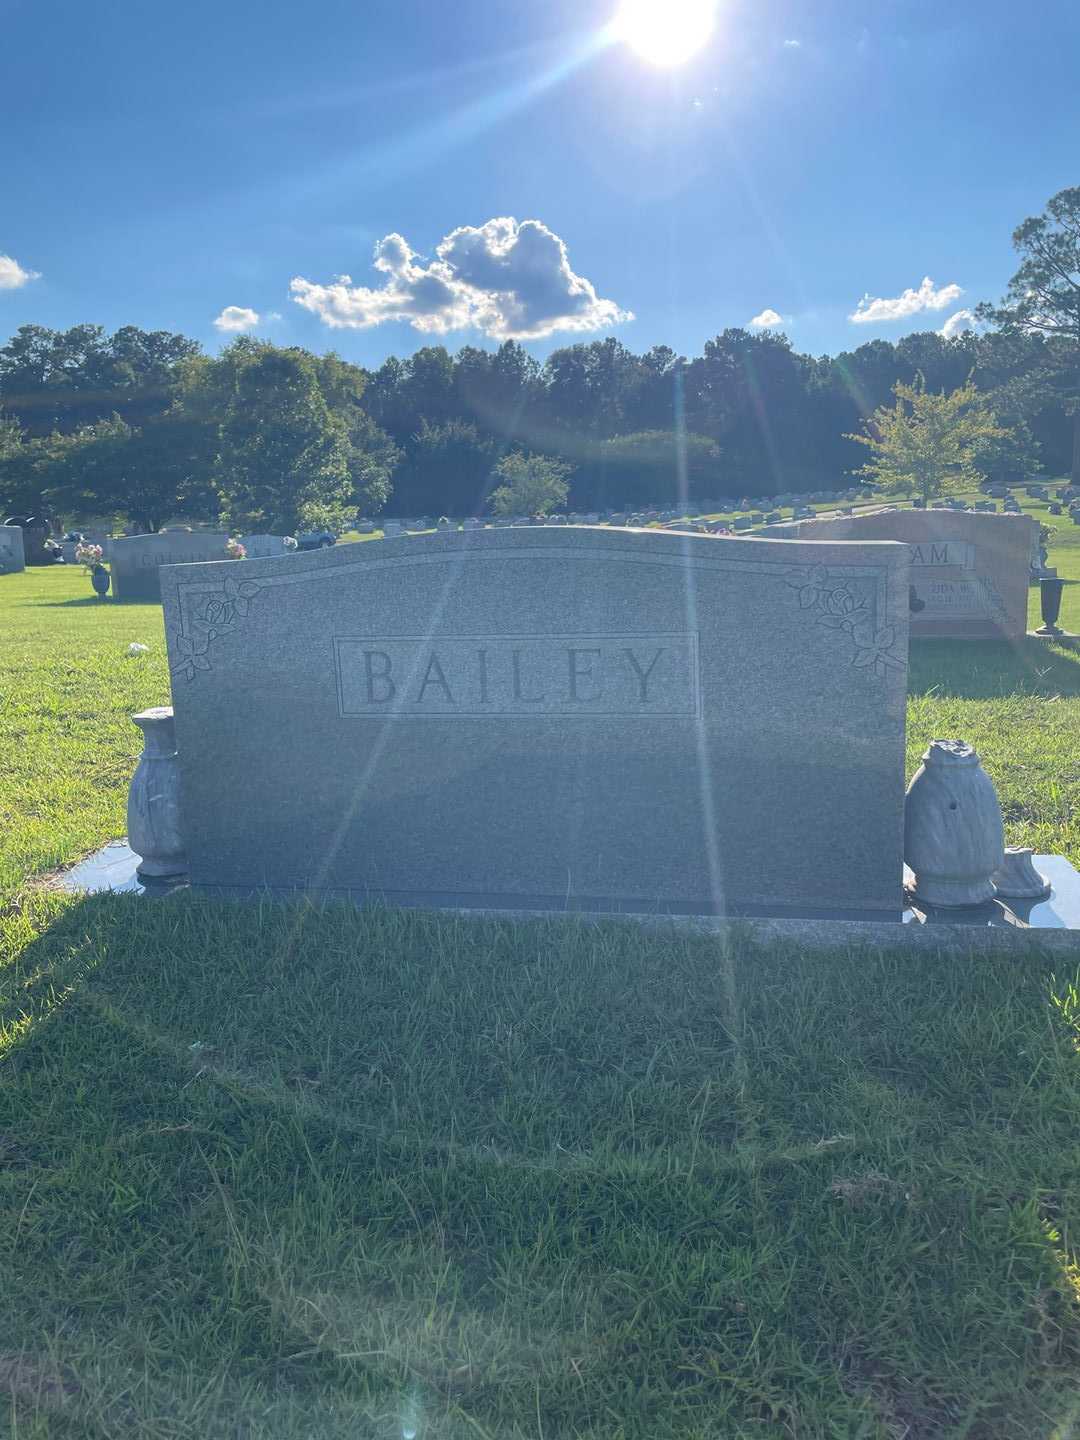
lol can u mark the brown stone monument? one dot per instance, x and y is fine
(969, 571)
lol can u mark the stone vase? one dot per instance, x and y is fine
(1050, 589)
(153, 810)
(954, 839)
(100, 579)
(1017, 878)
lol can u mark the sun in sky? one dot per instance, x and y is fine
(665, 32)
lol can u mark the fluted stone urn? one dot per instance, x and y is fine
(153, 811)
(954, 839)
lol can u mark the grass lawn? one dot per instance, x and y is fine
(290, 1172)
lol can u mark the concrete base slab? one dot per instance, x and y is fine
(1049, 924)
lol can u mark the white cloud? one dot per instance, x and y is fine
(959, 321)
(765, 319)
(12, 274)
(235, 318)
(512, 281)
(869, 311)
(792, 44)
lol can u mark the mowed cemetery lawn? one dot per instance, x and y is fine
(273, 1171)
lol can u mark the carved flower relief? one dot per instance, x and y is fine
(191, 649)
(219, 616)
(236, 601)
(873, 646)
(839, 608)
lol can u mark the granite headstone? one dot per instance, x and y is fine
(258, 547)
(12, 554)
(549, 718)
(35, 538)
(134, 561)
(969, 571)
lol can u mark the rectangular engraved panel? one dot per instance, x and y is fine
(518, 676)
(953, 597)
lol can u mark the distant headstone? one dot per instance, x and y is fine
(969, 572)
(365, 527)
(35, 534)
(391, 528)
(1055, 508)
(12, 554)
(134, 561)
(258, 547)
(741, 522)
(599, 719)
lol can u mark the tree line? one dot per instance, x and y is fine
(142, 425)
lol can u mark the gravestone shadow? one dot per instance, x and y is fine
(79, 603)
(990, 669)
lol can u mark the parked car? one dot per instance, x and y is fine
(316, 540)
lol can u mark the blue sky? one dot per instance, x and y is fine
(162, 163)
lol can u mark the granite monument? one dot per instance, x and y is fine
(258, 547)
(548, 718)
(12, 553)
(136, 559)
(969, 571)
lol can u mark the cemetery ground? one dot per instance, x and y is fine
(297, 1171)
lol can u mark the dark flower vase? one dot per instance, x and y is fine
(101, 580)
(1050, 605)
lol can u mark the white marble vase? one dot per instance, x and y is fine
(954, 839)
(153, 810)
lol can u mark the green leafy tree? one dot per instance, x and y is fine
(283, 454)
(447, 468)
(649, 467)
(29, 468)
(64, 380)
(1012, 452)
(927, 443)
(146, 474)
(372, 461)
(1043, 298)
(532, 485)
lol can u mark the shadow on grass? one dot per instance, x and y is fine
(984, 669)
(83, 601)
(513, 1178)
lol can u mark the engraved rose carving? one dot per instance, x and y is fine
(235, 601)
(219, 616)
(839, 608)
(191, 649)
